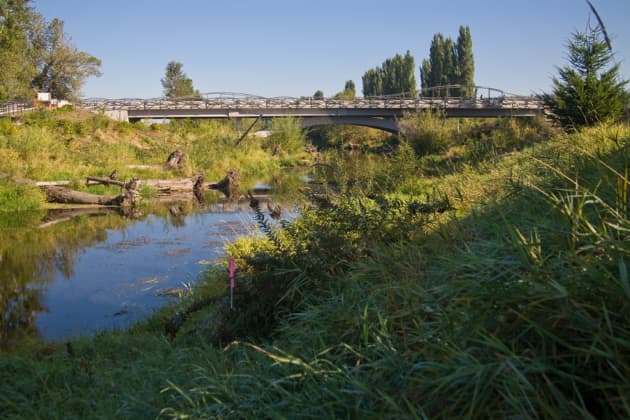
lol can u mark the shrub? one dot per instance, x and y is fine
(427, 132)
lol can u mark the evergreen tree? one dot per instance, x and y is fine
(319, 95)
(586, 92)
(175, 82)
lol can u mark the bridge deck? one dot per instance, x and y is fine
(307, 108)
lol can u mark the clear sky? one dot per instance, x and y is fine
(295, 47)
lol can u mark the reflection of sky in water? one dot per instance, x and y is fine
(116, 282)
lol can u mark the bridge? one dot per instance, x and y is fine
(377, 112)
(380, 112)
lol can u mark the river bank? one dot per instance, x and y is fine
(488, 279)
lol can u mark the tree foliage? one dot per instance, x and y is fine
(395, 77)
(373, 82)
(449, 64)
(319, 95)
(62, 68)
(349, 91)
(38, 55)
(588, 91)
(17, 67)
(176, 84)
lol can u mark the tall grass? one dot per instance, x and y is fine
(498, 289)
(523, 314)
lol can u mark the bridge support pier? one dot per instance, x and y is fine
(118, 115)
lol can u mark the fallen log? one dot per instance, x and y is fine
(163, 186)
(92, 180)
(58, 194)
(167, 186)
(156, 167)
(51, 183)
(128, 198)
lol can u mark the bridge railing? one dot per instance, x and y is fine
(359, 103)
(228, 101)
(8, 109)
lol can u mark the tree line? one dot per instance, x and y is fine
(449, 63)
(36, 55)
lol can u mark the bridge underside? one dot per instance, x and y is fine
(381, 123)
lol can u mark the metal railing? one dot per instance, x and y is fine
(229, 100)
(9, 109)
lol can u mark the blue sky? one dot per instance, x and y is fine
(294, 47)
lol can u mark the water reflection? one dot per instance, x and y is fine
(71, 272)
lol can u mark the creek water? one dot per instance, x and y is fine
(101, 271)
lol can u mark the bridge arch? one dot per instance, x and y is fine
(385, 124)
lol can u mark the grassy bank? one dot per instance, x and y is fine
(486, 280)
(69, 145)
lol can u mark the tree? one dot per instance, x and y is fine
(449, 64)
(348, 92)
(373, 82)
(350, 89)
(586, 92)
(37, 55)
(319, 95)
(17, 67)
(175, 82)
(62, 68)
(465, 62)
(395, 77)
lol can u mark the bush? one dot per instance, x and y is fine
(20, 197)
(287, 137)
(427, 132)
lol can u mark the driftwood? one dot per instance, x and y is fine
(91, 180)
(128, 197)
(228, 185)
(51, 183)
(58, 194)
(163, 186)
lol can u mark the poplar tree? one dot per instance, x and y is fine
(588, 90)
(395, 77)
(373, 82)
(465, 62)
(449, 64)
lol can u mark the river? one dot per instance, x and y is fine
(65, 277)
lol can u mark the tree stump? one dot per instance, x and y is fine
(228, 185)
(175, 160)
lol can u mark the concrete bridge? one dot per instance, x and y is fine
(377, 112)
